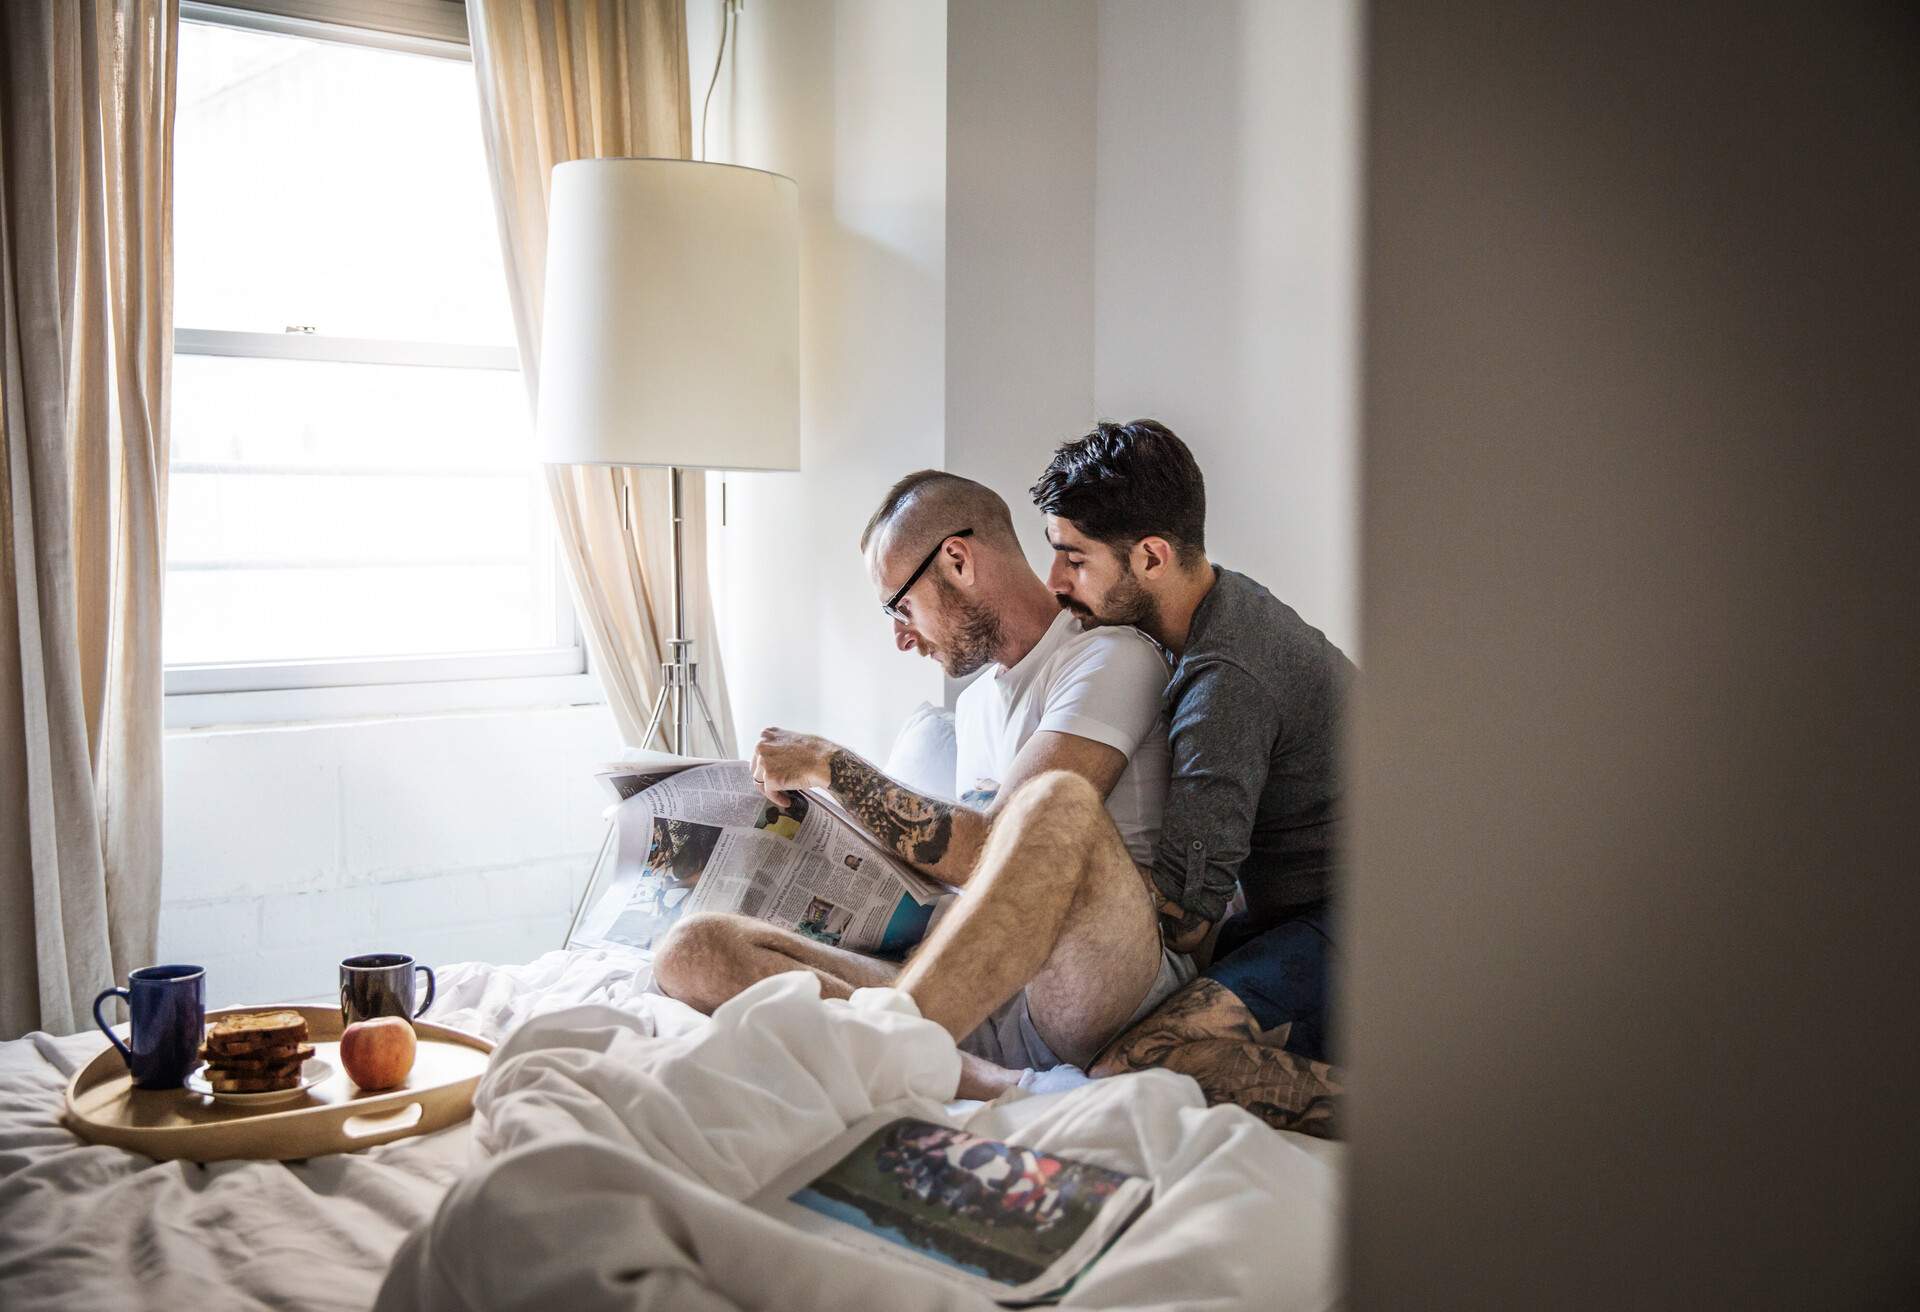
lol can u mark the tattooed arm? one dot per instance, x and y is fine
(942, 839)
(1208, 1033)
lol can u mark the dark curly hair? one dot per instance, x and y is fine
(1124, 482)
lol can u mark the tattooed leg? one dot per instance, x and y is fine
(1208, 1033)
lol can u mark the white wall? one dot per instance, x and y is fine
(849, 99)
(1151, 211)
(1226, 275)
(469, 836)
(1017, 217)
(1020, 243)
(453, 837)
(1013, 218)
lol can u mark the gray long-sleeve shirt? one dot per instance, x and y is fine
(1254, 713)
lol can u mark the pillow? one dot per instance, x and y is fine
(925, 753)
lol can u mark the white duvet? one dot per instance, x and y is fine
(614, 1161)
(85, 1227)
(630, 1150)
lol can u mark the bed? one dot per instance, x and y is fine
(84, 1226)
(1252, 1218)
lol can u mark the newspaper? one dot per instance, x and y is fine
(699, 836)
(1013, 1223)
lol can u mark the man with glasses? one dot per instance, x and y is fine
(1053, 947)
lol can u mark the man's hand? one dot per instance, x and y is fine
(783, 760)
(1181, 929)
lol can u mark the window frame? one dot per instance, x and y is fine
(418, 27)
(251, 692)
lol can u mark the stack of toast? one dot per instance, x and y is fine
(256, 1051)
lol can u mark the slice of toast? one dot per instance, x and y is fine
(254, 1072)
(252, 1031)
(268, 1060)
(278, 1052)
(212, 1051)
(253, 1083)
(239, 1080)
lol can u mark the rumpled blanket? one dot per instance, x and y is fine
(87, 1226)
(615, 1160)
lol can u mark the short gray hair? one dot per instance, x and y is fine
(929, 504)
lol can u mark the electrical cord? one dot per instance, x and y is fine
(728, 9)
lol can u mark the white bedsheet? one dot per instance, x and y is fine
(614, 1162)
(83, 1226)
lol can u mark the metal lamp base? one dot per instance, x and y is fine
(680, 689)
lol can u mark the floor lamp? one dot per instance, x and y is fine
(671, 338)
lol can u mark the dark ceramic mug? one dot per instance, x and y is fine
(381, 984)
(168, 1008)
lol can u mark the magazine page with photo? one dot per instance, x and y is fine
(1015, 1223)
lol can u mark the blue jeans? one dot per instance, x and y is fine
(1282, 973)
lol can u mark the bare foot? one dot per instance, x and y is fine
(982, 1079)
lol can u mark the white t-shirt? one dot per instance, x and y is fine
(1103, 683)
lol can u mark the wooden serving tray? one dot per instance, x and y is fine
(335, 1116)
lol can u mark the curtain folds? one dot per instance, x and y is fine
(86, 322)
(587, 79)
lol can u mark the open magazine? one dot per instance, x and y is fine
(698, 836)
(1016, 1224)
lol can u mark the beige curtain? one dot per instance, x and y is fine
(589, 79)
(86, 322)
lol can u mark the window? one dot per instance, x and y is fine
(356, 520)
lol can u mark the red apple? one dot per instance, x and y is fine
(378, 1053)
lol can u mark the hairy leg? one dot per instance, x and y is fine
(1208, 1033)
(711, 956)
(1056, 906)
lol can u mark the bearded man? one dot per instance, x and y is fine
(1054, 946)
(1253, 812)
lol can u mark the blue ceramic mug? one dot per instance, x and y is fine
(168, 1005)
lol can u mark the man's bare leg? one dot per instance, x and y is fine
(1208, 1033)
(1055, 905)
(709, 957)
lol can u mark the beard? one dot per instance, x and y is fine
(974, 637)
(1125, 603)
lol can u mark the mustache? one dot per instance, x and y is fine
(1068, 603)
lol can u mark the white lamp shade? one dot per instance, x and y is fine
(671, 324)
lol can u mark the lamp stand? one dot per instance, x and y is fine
(679, 684)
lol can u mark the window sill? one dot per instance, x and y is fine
(301, 705)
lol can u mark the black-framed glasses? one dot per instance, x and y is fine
(892, 604)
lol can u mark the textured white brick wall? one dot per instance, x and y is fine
(455, 838)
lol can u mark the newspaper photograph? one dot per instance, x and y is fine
(1014, 1223)
(699, 836)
